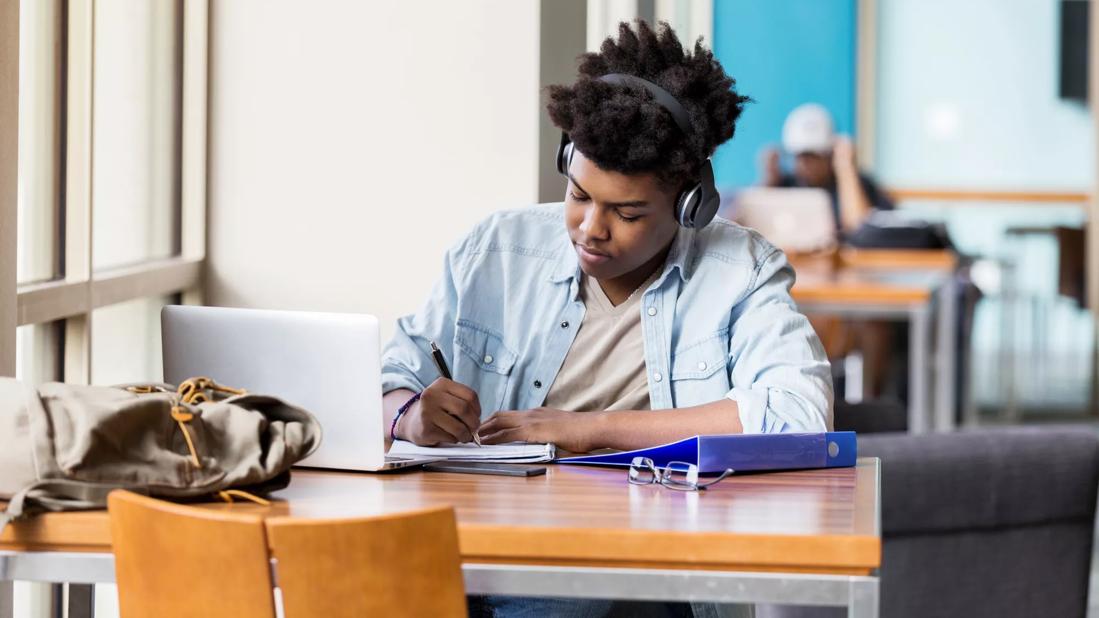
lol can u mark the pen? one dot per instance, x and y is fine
(440, 364)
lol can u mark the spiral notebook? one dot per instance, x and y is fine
(515, 452)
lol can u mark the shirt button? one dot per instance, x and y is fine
(652, 310)
(564, 324)
(488, 359)
(537, 384)
(657, 377)
(702, 366)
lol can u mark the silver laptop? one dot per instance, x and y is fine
(796, 220)
(327, 363)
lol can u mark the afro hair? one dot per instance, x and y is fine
(621, 128)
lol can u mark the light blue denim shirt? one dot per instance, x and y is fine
(718, 322)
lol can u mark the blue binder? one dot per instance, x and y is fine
(743, 453)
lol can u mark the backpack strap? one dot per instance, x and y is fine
(59, 495)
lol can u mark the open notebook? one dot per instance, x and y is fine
(515, 452)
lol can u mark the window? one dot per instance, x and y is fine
(109, 214)
(136, 120)
(104, 220)
(39, 137)
(126, 341)
(38, 352)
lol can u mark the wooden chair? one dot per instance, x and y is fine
(404, 564)
(173, 560)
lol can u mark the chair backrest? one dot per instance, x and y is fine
(405, 564)
(173, 560)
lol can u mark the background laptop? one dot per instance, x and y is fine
(327, 363)
(796, 220)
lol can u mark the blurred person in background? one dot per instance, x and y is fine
(826, 161)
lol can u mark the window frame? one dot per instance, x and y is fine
(81, 289)
(9, 171)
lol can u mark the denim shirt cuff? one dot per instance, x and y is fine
(752, 404)
(394, 381)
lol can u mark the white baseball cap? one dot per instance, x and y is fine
(808, 128)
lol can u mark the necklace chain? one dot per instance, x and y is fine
(632, 294)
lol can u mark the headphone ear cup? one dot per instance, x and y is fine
(709, 198)
(564, 155)
(697, 205)
(686, 205)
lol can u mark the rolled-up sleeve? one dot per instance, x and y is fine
(781, 378)
(406, 359)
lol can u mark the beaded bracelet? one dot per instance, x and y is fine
(400, 412)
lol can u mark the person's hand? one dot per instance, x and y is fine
(446, 412)
(571, 431)
(770, 166)
(843, 155)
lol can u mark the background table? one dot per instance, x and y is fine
(892, 284)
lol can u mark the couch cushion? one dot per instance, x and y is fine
(1010, 573)
(987, 478)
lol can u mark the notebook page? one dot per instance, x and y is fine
(515, 452)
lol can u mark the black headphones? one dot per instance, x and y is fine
(696, 205)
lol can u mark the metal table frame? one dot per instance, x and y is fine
(858, 593)
(931, 360)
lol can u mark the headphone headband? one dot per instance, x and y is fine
(696, 205)
(662, 97)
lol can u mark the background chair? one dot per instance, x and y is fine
(983, 523)
(394, 565)
(173, 560)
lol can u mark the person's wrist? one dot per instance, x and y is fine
(396, 433)
(594, 426)
(407, 408)
(846, 170)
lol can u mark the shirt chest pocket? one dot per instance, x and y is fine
(699, 371)
(484, 364)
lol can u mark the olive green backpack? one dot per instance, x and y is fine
(65, 447)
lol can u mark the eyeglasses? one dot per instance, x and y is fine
(676, 475)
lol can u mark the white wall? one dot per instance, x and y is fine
(967, 96)
(352, 142)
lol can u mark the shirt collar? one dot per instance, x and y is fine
(681, 255)
(568, 265)
(680, 258)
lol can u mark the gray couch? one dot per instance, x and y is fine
(983, 523)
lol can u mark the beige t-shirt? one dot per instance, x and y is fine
(605, 367)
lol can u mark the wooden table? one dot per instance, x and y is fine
(804, 537)
(896, 284)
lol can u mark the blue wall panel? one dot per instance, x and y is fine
(782, 53)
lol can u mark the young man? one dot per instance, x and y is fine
(605, 322)
(825, 161)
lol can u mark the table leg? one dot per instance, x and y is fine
(55, 599)
(81, 600)
(1006, 381)
(864, 599)
(946, 358)
(7, 609)
(919, 342)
